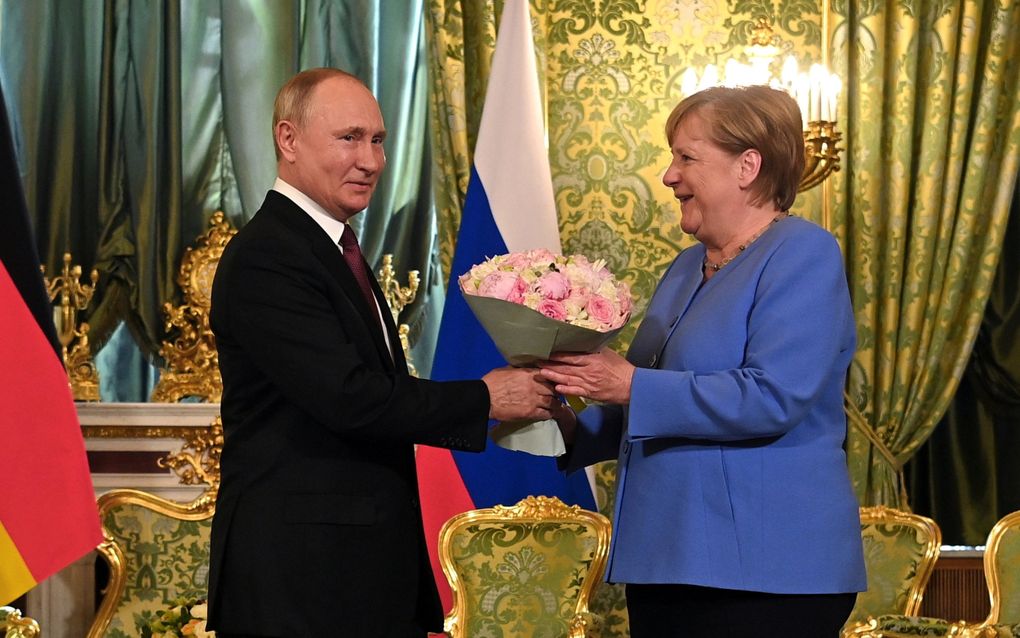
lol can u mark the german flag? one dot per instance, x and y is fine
(48, 515)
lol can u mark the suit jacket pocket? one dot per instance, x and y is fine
(329, 509)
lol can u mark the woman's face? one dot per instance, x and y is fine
(705, 178)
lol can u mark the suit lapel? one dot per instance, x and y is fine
(331, 257)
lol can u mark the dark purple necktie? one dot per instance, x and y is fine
(352, 255)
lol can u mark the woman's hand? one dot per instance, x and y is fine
(603, 376)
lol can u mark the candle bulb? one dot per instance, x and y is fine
(733, 74)
(689, 82)
(802, 98)
(817, 75)
(710, 78)
(789, 72)
(835, 84)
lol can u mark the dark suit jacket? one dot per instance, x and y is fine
(317, 529)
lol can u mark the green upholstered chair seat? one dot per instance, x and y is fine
(898, 626)
(894, 625)
(527, 570)
(1002, 631)
(158, 554)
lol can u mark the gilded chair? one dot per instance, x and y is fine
(191, 367)
(157, 550)
(14, 625)
(524, 571)
(900, 550)
(1002, 573)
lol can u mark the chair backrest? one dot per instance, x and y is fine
(900, 550)
(525, 570)
(158, 553)
(14, 625)
(1002, 570)
(191, 364)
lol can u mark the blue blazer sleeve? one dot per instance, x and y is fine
(729, 376)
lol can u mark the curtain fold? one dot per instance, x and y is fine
(140, 173)
(932, 152)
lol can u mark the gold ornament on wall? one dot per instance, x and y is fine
(192, 365)
(74, 341)
(397, 297)
(198, 460)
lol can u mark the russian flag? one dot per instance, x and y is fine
(48, 515)
(509, 208)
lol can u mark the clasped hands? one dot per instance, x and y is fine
(533, 393)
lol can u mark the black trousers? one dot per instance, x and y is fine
(688, 611)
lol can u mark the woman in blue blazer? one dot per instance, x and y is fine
(735, 514)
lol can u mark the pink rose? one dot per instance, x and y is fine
(554, 285)
(552, 309)
(601, 309)
(498, 285)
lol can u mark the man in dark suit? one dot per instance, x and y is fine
(317, 529)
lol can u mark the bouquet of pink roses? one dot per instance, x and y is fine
(535, 303)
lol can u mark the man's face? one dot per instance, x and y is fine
(335, 156)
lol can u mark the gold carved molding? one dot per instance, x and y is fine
(198, 460)
(129, 432)
(14, 625)
(541, 507)
(192, 366)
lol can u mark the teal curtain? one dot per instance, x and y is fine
(138, 120)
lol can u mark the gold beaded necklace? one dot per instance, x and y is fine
(742, 247)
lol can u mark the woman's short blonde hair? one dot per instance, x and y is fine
(752, 117)
(295, 97)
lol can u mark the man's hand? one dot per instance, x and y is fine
(519, 393)
(603, 376)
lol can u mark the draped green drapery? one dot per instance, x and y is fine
(932, 149)
(138, 120)
(965, 476)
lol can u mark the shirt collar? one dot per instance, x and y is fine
(333, 226)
